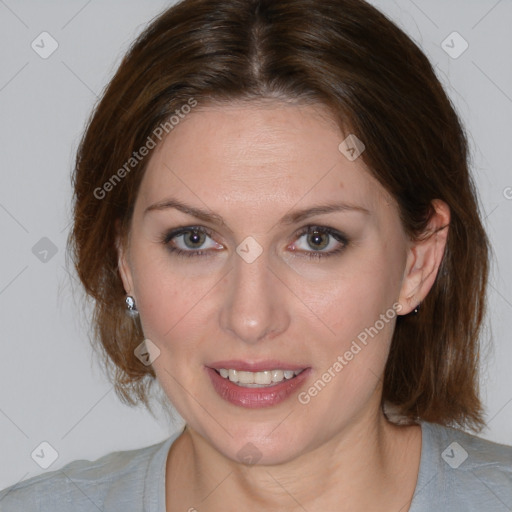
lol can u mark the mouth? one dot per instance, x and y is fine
(238, 385)
(263, 379)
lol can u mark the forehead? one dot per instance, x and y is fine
(256, 156)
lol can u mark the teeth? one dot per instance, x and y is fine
(277, 375)
(257, 379)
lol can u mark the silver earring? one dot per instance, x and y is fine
(416, 309)
(132, 309)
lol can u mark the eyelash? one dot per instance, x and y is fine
(339, 237)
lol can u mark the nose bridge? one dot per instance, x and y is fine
(255, 306)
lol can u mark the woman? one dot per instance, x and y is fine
(274, 215)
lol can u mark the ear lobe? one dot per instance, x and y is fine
(424, 259)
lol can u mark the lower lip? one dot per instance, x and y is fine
(254, 398)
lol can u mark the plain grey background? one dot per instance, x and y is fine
(52, 389)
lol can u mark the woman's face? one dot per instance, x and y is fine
(254, 287)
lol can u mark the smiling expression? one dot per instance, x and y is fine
(255, 240)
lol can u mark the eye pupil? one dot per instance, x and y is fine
(316, 238)
(196, 237)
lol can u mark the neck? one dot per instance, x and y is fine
(369, 463)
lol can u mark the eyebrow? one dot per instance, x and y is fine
(290, 218)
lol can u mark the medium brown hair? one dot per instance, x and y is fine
(348, 56)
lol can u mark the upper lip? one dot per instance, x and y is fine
(255, 366)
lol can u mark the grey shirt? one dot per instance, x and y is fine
(458, 472)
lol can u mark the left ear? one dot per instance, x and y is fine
(122, 261)
(424, 258)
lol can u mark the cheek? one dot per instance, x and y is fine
(179, 305)
(169, 301)
(357, 305)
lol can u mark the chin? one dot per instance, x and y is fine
(262, 444)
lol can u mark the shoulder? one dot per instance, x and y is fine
(482, 453)
(83, 485)
(462, 470)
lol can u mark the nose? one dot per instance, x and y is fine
(255, 305)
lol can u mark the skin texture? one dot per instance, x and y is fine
(252, 163)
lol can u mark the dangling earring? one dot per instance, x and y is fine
(132, 309)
